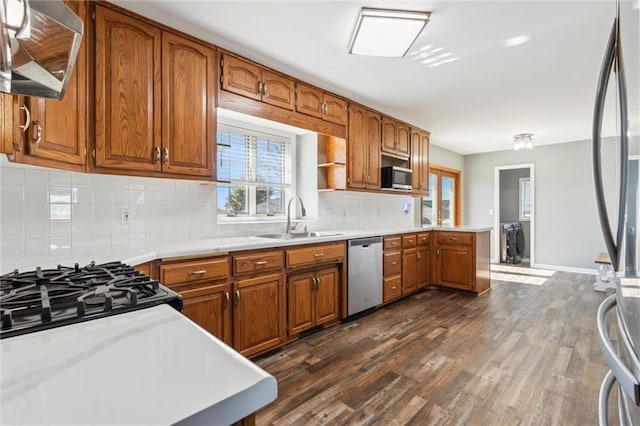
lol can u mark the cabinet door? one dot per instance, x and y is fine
(403, 138)
(335, 109)
(188, 109)
(210, 308)
(277, 90)
(423, 272)
(409, 270)
(357, 147)
(240, 77)
(309, 100)
(374, 128)
(388, 135)
(259, 313)
(58, 129)
(128, 90)
(300, 292)
(326, 295)
(419, 162)
(454, 266)
(392, 288)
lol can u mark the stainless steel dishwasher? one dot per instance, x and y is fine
(364, 279)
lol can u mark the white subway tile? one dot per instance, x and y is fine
(36, 247)
(82, 227)
(12, 230)
(101, 227)
(60, 228)
(82, 211)
(101, 182)
(59, 194)
(59, 178)
(120, 196)
(36, 212)
(11, 176)
(12, 194)
(59, 212)
(36, 177)
(37, 229)
(119, 182)
(81, 180)
(81, 195)
(102, 211)
(36, 195)
(102, 196)
(12, 213)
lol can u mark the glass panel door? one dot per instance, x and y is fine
(448, 203)
(430, 202)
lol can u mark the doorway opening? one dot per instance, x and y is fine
(442, 207)
(514, 215)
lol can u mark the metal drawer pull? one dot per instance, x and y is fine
(38, 129)
(394, 287)
(158, 154)
(226, 299)
(166, 156)
(27, 117)
(395, 243)
(264, 88)
(418, 256)
(627, 380)
(453, 239)
(394, 263)
(200, 272)
(410, 241)
(603, 398)
(260, 263)
(319, 255)
(316, 282)
(259, 87)
(237, 298)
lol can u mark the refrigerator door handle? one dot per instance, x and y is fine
(603, 398)
(612, 53)
(628, 382)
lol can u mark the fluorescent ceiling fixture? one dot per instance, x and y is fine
(383, 32)
(518, 40)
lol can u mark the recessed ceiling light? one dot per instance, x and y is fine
(517, 40)
(438, 49)
(384, 32)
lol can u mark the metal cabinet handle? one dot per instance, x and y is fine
(316, 283)
(394, 263)
(318, 255)
(226, 299)
(410, 241)
(395, 243)
(27, 118)
(603, 398)
(237, 297)
(394, 287)
(418, 256)
(259, 87)
(38, 131)
(166, 155)
(260, 263)
(453, 239)
(200, 272)
(264, 88)
(438, 252)
(158, 154)
(627, 380)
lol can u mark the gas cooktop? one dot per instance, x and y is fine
(45, 298)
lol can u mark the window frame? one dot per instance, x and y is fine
(523, 214)
(289, 190)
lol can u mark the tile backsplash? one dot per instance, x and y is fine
(49, 216)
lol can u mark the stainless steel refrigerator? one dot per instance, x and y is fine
(618, 86)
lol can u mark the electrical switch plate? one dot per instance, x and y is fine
(125, 216)
(490, 212)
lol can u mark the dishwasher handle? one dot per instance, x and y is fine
(365, 242)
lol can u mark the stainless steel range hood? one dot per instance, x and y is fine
(39, 43)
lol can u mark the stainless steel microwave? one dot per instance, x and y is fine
(396, 178)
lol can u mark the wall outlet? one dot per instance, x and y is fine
(125, 216)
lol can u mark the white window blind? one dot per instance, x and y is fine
(258, 169)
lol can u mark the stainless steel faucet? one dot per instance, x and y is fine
(304, 212)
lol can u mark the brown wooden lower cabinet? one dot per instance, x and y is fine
(423, 266)
(461, 261)
(210, 307)
(312, 299)
(259, 313)
(409, 270)
(392, 288)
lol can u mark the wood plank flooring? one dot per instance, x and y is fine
(521, 354)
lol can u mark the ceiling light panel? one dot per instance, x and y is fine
(381, 32)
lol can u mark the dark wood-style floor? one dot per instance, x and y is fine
(525, 353)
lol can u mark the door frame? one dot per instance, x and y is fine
(457, 213)
(496, 210)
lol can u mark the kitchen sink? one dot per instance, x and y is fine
(298, 235)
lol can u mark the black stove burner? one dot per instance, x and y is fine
(46, 298)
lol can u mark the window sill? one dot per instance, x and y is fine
(256, 220)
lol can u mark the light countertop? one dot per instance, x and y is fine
(150, 366)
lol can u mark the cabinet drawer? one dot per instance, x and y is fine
(314, 254)
(424, 238)
(464, 238)
(409, 241)
(256, 262)
(186, 272)
(392, 263)
(392, 288)
(391, 243)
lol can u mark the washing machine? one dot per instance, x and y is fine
(511, 242)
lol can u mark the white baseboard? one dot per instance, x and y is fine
(566, 269)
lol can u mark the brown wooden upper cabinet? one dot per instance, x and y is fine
(155, 90)
(395, 137)
(54, 132)
(364, 148)
(317, 103)
(420, 161)
(246, 79)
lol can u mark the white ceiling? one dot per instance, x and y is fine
(473, 104)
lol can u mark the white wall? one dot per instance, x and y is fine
(567, 225)
(50, 216)
(443, 157)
